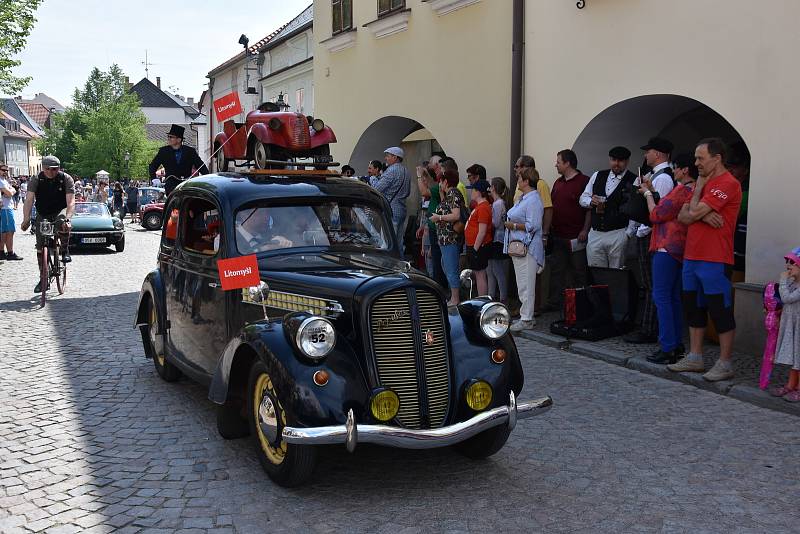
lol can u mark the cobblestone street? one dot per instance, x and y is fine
(91, 440)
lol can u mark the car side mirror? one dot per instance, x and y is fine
(260, 293)
(466, 280)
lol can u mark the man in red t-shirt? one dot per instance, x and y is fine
(711, 217)
(569, 230)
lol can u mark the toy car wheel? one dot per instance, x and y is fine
(484, 444)
(119, 246)
(220, 160)
(167, 371)
(152, 221)
(261, 154)
(287, 465)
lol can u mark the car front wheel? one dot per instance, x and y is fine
(152, 221)
(164, 368)
(261, 155)
(119, 246)
(287, 465)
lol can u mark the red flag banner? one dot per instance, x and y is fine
(236, 273)
(227, 106)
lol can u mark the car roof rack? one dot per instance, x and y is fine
(291, 172)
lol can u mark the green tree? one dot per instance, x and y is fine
(59, 138)
(100, 88)
(17, 18)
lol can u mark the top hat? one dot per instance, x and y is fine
(176, 131)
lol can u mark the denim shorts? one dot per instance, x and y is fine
(7, 221)
(706, 278)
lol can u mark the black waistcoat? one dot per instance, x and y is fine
(612, 218)
(51, 195)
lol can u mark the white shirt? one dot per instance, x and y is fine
(8, 202)
(663, 185)
(611, 184)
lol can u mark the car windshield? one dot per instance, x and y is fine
(327, 224)
(90, 209)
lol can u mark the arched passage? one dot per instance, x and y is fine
(682, 120)
(389, 131)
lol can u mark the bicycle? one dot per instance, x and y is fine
(52, 266)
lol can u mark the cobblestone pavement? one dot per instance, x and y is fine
(92, 441)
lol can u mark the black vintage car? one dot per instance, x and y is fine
(341, 342)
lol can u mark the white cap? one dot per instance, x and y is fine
(395, 151)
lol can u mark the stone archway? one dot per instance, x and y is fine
(385, 132)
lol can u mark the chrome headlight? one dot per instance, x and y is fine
(316, 337)
(317, 125)
(494, 320)
(118, 224)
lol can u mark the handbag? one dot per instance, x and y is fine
(517, 249)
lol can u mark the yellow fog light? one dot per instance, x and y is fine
(479, 395)
(384, 405)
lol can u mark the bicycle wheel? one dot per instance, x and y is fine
(45, 273)
(59, 270)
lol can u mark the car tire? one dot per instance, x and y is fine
(286, 464)
(230, 422)
(261, 154)
(484, 444)
(166, 370)
(152, 221)
(220, 161)
(119, 246)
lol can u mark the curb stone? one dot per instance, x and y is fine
(728, 388)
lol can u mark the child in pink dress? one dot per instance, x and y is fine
(788, 347)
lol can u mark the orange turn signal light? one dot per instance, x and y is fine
(498, 356)
(321, 378)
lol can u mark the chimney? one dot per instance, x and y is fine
(190, 101)
(158, 82)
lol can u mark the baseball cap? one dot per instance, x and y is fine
(50, 162)
(395, 151)
(480, 185)
(794, 255)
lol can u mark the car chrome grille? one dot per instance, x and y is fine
(301, 138)
(412, 361)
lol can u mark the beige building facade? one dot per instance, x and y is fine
(613, 72)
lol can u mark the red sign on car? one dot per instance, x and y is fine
(236, 273)
(227, 106)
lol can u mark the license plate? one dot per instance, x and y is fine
(93, 240)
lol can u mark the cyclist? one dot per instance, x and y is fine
(53, 193)
(179, 161)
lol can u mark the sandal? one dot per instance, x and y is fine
(780, 391)
(792, 396)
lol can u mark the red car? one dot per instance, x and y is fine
(271, 134)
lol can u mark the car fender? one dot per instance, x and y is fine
(152, 291)
(221, 139)
(262, 132)
(323, 137)
(293, 376)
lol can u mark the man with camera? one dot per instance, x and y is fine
(53, 192)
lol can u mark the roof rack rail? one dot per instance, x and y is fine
(316, 164)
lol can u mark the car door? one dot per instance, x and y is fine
(196, 303)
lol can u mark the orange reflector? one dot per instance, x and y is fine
(321, 378)
(498, 356)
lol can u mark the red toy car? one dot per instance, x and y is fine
(271, 134)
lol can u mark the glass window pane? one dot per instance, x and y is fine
(337, 17)
(347, 14)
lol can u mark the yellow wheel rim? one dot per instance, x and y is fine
(265, 389)
(153, 327)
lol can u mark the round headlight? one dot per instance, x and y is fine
(384, 405)
(274, 123)
(494, 320)
(479, 395)
(316, 337)
(118, 224)
(318, 125)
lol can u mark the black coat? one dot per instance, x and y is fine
(190, 161)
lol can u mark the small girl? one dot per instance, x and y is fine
(788, 351)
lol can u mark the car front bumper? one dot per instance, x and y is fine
(351, 433)
(109, 237)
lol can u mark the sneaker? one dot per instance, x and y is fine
(779, 391)
(792, 396)
(66, 258)
(520, 325)
(12, 256)
(38, 288)
(718, 373)
(687, 365)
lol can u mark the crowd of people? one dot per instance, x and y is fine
(679, 220)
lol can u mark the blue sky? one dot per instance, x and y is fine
(184, 40)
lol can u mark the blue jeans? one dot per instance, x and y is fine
(667, 298)
(450, 255)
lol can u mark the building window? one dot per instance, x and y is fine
(299, 99)
(386, 7)
(342, 16)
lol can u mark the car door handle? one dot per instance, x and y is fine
(214, 284)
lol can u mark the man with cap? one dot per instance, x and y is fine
(348, 171)
(660, 181)
(53, 192)
(395, 185)
(605, 194)
(179, 161)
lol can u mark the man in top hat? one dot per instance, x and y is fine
(179, 161)
(657, 152)
(605, 194)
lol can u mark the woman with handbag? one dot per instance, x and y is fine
(523, 242)
(497, 272)
(449, 229)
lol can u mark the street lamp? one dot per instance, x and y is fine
(127, 164)
(281, 103)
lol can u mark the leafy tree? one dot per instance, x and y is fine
(101, 88)
(16, 22)
(59, 138)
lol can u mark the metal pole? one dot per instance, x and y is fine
(517, 73)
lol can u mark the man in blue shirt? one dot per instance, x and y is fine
(395, 185)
